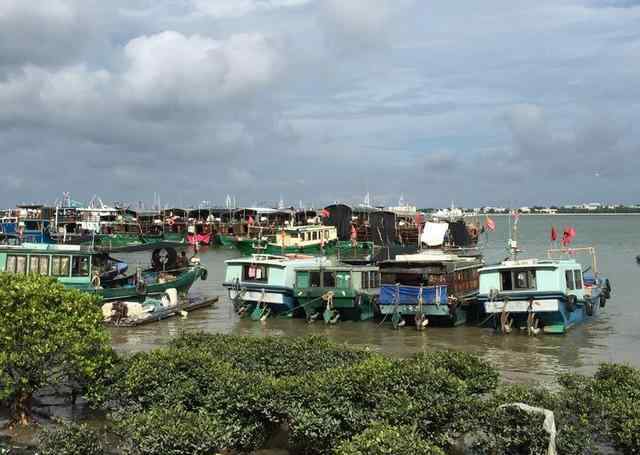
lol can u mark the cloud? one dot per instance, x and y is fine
(238, 8)
(172, 70)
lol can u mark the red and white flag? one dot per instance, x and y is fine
(554, 234)
(325, 213)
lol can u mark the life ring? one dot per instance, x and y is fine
(141, 287)
(95, 281)
(204, 274)
(588, 306)
(571, 303)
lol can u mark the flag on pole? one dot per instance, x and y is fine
(325, 213)
(568, 235)
(250, 221)
(554, 234)
(489, 224)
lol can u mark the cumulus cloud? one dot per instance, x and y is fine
(170, 69)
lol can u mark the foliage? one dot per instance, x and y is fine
(70, 439)
(49, 336)
(382, 439)
(176, 431)
(275, 356)
(513, 431)
(478, 375)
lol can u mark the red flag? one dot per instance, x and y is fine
(554, 234)
(568, 235)
(250, 221)
(354, 233)
(489, 224)
(325, 213)
(419, 218)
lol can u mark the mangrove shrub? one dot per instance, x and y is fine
(49, 336)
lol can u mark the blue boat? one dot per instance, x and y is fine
(262, 285)
(543, 295)
(432, 286)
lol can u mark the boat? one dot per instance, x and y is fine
(154, 308)
(432, 286)
(94, 271)
(290, 240)
(337, 292)
(263, 284)
(228, 240)
(549, 295)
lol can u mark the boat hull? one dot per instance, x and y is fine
(251, 246)
(403, 303)
(129, 290)
(225, 240)
(349, 304)
(278, 300)
(554, 312)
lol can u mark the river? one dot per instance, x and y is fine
(612, 337)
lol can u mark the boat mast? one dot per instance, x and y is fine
(513, 241)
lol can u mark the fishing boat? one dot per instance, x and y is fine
(290, 240)
(154, 308)
(338, 292)
(549, 295)
(94, 271)
(432, 286)
(263, 284)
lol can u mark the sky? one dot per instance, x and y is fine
(480, 103)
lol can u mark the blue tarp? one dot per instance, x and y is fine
(408, 295)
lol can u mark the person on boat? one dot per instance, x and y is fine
(182, 261)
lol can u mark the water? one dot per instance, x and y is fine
(612, 337)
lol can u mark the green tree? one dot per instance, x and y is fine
(50, 336)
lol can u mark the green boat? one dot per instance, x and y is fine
(94, 271)
(225, 240)
(310, 239)
(338, 292)
(124, 240)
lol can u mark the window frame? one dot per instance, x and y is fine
(512, 274)
(568, 276)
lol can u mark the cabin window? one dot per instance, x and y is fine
(374, 279)
(302, 279)
(516, 280)
(39, 265)
(570, 282)
(329, 279)
(578, 278)
(326, 235)
(315, 235)
(16, 264)
(255, 272)
(365, 280)
(60, 266)
(342, 280)
(314, 279)
(80, 266)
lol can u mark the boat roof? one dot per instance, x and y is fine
(46, 248)
(430, 256)
(338, 267)
(271, 259)
(308, 227)
(532, 263)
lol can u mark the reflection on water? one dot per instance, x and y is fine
(611, 337)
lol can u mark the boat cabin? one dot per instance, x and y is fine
(302, 236)
(338, 277)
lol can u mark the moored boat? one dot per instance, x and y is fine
(428, 287)
(550, 295)
(263, 285)
(337, 292)
(94, 271)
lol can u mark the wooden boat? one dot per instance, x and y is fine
(550, 295)
(337, 292)
(263, 285)
(152, 309)
(290, 240)
(428, 287)
(94, 271)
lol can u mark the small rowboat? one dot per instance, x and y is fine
(152, 309)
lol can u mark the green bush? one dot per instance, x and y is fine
(70, 439)
(275, 356)
(176, 431)
(513, 431)
(478, 375)
(382, 439)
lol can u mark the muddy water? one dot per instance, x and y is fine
(612, 337)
